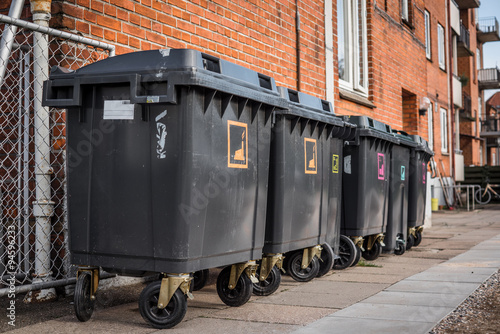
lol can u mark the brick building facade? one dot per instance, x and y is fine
(383, 59)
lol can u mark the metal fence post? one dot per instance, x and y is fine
(32, 146)
(43, 207)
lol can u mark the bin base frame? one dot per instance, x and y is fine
(309, 253)
(250, 268)
(414, 230)
(94, 278)
(358, 241)
(372, 239)
(267, 264)
(169, 284)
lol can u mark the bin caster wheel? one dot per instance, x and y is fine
(295, 268)
(326, 260)
(410, 242)
(400, 248)
(83, 303)
(200, 279)
(418, 239)
(373, 253)
(358, 256)
(237, 296)
(168, 317)
(269, 285)
(347, 253)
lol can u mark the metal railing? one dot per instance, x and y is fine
(466, 111)
(470, 190)
(490, 124)
(464, 36)
(24, 244)
(489, 75)
(487, 24)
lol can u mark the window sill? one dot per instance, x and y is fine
(407, 23)
(353, 97)
(445, 154)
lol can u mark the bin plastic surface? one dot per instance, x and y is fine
(168, 155)
(305, 174)
(418, 182)
(365, 183)
(397, 220)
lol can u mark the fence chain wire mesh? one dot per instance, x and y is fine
(17, 155)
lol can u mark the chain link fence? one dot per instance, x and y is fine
(18, 127)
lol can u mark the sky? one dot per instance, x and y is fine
(491, 50)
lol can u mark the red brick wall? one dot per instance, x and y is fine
(467, 67)
(396, 58)
(260, 35)
(438, 83)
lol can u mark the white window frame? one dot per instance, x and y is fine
(444, 130)
(480, 108)
(428, 52)
(405, 15)
(430, 125)
(441, 48)
(356, 79)
(478, 59)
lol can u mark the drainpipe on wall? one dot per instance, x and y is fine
(43, 207)
(297, 46)
(9, 32)
(329, 69)
(450, 90)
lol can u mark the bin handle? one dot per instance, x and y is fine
(52, 87)
(135, 84)
(401, 132)
(49, 97)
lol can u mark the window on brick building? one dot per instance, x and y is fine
(406, 11)
(478, 59)
(480, 107)
(441, 48)
(427, 34)
(352, 37)
(444, 130)
(430, 125)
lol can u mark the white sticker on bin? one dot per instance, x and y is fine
(118, 109)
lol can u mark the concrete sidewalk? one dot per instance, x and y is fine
(411, 293)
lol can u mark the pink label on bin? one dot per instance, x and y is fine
(424, 172)
(381, 166)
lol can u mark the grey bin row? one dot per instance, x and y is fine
(179, 162)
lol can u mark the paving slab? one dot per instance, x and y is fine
(120, 319)
(369, 278)
(415, 298)
(459, 269)
(272, 313)
(450, 277)
(365, 326)
(329, 295)
(434, 287)
(222, 326)
(383, 312)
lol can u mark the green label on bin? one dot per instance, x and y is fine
(335, 164)
(403, 169)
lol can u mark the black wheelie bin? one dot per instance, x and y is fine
(417, 190)
(305, 176)
(168, 164)
(365, 186)
(397, 220)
